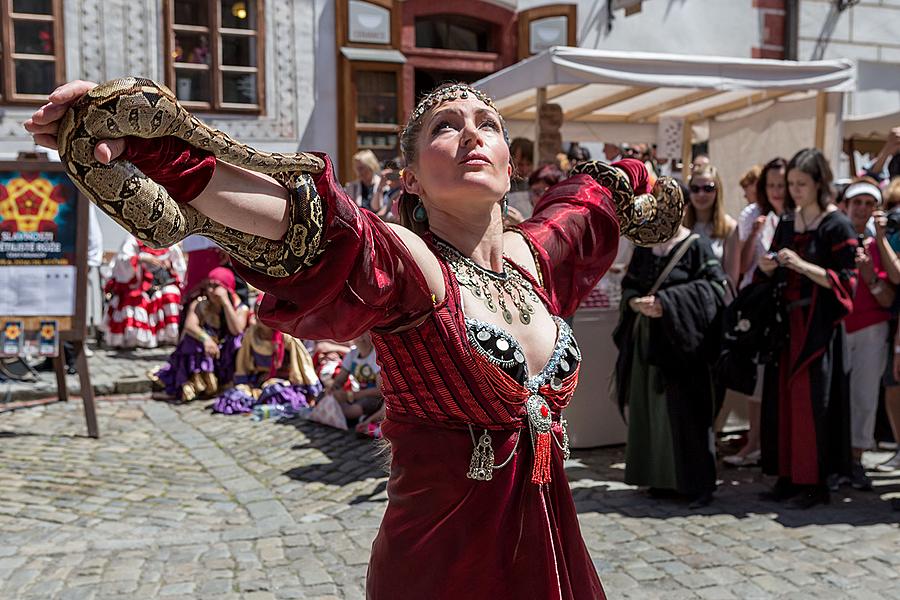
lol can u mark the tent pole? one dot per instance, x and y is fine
(538, 103)
(821, 112)
(686, 138)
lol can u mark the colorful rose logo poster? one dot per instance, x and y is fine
(38, 218)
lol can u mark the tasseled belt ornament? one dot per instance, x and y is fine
(540, 428)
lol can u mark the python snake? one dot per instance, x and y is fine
(140, 107)
(143, 108)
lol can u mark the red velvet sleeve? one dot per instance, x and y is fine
(365, 278)
(174, 164)
(574, 233)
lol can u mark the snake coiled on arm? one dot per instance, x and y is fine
(143, 108)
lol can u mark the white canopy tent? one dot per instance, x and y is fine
(674, 100)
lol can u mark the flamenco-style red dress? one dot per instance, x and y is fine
(449, 382)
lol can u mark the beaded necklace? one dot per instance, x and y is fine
(486, 284)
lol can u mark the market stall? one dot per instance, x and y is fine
(748, 110)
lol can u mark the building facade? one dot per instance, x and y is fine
(342, 75)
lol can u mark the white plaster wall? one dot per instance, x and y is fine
(105, 39)
(868, 32)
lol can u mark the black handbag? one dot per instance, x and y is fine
(754, 329)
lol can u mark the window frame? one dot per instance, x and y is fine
(570, 11)
(215, 69)
(353, 128)
(8, 93)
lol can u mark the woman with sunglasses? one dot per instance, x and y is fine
(805, 425)
(705, 215)
(466, 318)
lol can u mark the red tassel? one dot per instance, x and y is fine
(541, 471)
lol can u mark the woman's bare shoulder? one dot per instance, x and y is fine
(424, 257)
(517, 249)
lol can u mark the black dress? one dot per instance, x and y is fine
(663, 370)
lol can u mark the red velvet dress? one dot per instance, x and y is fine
(445, 535)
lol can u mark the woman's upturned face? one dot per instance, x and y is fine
(802, 188)
(462, 156)
(775, 190)
(703, 193)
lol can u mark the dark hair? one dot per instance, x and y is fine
(812, 162)
(578, 153)
(522, 146)
(549, 174)
(762, 198)
(409, 151)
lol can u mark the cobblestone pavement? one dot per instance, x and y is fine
(112, 372)
(174, 502)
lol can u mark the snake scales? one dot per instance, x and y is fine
(140, 107)
(143, 108)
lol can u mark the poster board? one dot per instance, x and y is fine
(43, 264)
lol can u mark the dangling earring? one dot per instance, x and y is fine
(505, 206)
(419, 214)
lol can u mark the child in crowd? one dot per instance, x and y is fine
(271, 368)
(365, 404)
(204, 358)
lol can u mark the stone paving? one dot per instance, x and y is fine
(174, 502)
(112, 372)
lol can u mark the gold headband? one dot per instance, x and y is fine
(453, 92)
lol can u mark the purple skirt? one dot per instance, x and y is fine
(236, 400)
(189, 357)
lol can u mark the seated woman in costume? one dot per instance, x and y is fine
(466, 320)
(145, 296)
(272, 368)
(671, 296)
(204, 359)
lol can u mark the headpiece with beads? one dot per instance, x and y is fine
(445, 94)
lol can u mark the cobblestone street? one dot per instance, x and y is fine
(174, 502)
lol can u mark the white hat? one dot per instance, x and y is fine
(861, 188)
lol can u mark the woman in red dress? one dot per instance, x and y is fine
(477, 363)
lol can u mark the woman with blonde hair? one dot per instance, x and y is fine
(368, 176)
(705, 214)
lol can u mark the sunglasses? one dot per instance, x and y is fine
(708, 188)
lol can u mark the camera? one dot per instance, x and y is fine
(893, 222)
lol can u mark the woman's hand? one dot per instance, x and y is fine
(880, 219)
(758, 222)
(220, 294)
(43, 125)
(768, 263)
(865, 265)
(649, 306)
(790, 259)
(210, 347)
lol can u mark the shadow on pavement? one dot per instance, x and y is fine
(351, 458)
(597, 484)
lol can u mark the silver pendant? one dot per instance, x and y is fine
(481, 465)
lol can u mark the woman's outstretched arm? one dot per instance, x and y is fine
(247, 201)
